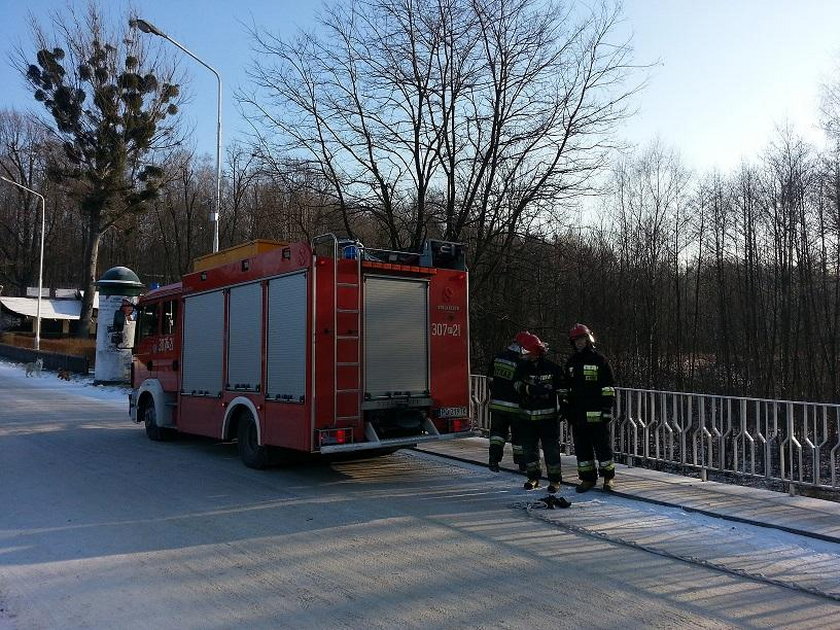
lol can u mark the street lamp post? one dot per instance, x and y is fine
(41, 264)
(148, 27)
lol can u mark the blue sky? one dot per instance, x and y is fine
(731, 71)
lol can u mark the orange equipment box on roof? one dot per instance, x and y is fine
(238, 252)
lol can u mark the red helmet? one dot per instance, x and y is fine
(521, 337)
(531, 344)
(578, 331)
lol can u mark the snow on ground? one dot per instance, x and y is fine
(78, 383)
(619, 517)
(754, 551)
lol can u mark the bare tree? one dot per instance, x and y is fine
(24, 150)
(466, 119)
(649, 202)
(828, 306)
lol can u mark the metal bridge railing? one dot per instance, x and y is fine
(793, 442)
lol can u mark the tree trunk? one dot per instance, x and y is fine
(94, 237)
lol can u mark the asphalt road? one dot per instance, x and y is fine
(101, 528)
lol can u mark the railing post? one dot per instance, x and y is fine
(703, 472)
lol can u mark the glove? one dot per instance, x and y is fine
(552, 502)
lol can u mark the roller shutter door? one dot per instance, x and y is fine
(245, 337)
(286, 359)
(203, 344)
(396, 336)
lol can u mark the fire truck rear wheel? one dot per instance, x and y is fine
(253, 455)
(153, 431)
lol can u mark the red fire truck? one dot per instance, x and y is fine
(318, 348)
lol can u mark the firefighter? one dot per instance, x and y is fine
(591, 395)
(504, 405)
(538, 380)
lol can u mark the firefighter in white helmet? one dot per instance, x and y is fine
(504, 405)
(538, 381)
(589, 402)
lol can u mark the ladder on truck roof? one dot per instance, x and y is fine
(347, 351)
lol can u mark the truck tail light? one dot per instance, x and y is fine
(335, 436)
(457, 425)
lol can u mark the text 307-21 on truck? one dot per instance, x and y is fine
(317, 348)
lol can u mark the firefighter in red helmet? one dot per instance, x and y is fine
(504, 404)
(589, 402)
(538, 381)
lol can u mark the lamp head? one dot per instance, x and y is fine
(146, 27)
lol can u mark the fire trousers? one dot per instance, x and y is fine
(592, 439)
(502, 423)
(546, 431)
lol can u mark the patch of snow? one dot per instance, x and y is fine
(79, 384)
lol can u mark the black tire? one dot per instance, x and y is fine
(253, 455)
(153, 431)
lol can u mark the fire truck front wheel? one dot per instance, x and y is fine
(253, 455)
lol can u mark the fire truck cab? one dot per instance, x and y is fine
(318, 348)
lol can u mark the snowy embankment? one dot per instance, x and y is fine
(78, 384)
